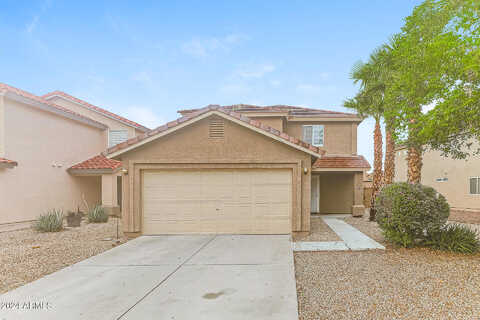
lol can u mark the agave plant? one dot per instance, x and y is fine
(97, 215)
(51, 221)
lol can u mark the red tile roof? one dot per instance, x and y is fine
(291, 110)
(95, 108)
(341, 162)
(30, 96)
(98, 162)
(224, 110)
(9, 162)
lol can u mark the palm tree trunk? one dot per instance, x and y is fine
(389, 156)
(415, 163)
(377, 166)
(414, 153)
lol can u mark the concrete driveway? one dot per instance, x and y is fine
(168, 277)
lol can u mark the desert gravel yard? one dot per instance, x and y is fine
(319, 231)
(391, 284)
(26, 255)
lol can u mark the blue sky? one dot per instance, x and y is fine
(145, 60)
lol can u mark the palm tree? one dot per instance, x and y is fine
(369, 102)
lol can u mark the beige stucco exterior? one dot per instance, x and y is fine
(45, 145)
(340, 137)
(191, 148)
(110, 123)
(458, 172)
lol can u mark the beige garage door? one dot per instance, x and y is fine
(242, 201)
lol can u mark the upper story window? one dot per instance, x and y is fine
(475, 185)
(313, 134)
(116, 137)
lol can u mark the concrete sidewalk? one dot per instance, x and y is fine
(352, 239)
(168, 277)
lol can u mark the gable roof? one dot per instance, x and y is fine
(290, 110)
(36, 101)
(89, 106)
(341, 162)
(98, 162)
(203, 113)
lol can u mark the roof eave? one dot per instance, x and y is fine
(359, 169)
(8, 165)
(203, 116)
(48, 108)
(92, 172)
(141, 128)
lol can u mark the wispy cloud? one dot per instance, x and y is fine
(256, 71)
(143, 77)
(144, 115)
(275, 83)
(32, 24)
(203, 47)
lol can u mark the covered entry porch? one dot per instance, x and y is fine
(109, 172)
(337, 185)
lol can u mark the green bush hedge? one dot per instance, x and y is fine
(416, 215)
(408, 213)
(51, 221)
(97, 215)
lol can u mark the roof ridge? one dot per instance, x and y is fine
(198, 112)
(95, 108)
(276, 107)
(39, 99)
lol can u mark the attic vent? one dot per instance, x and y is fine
(216, 129)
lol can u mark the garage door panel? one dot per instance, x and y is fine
(245, 201)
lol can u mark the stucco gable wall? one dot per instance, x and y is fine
(111, 123)
(239, 146)
(340, 137)
(36, 140)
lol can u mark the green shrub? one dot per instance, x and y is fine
(455, 238)
(97, 215)
(408, 213)
(51, 221)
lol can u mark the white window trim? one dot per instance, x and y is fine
(312, 126)
(478, 186)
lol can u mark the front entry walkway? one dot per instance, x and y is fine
(169, 277)
(352, 238)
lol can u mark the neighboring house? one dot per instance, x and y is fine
(240, 169)
(458, 180)
(40, 138)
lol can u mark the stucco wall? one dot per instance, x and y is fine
(37, 139)
(112, 124)
(336, 192)
(340, 138)
(458, 172)
(240, 147)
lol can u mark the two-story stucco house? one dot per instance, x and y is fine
(40, 138)
(458, 180)
(231, 169)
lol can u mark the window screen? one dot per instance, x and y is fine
(116, 137)
(475, 185)
(313, 134)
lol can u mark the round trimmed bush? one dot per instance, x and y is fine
(409, 213)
